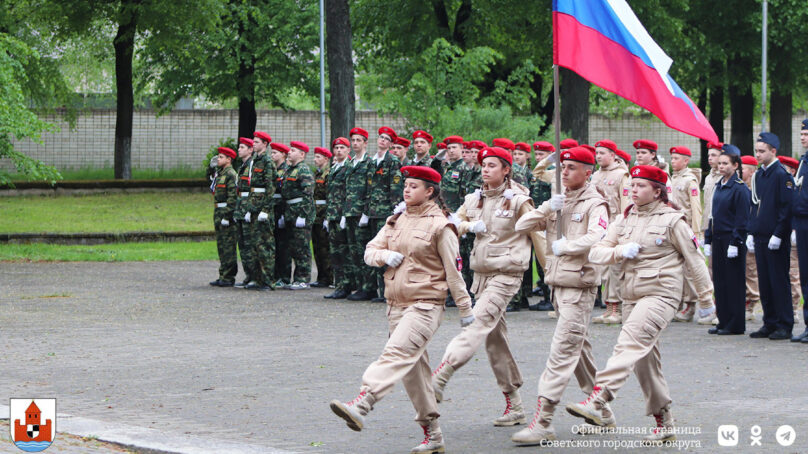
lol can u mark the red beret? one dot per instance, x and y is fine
(789, 161)
(359, 131)
(590, 148)
(227, 152)
(715, 146)
(494, 152)
(522, 146)
(323, 151)
(466, 145)
(453, 139)
(623, 155)
(263, 136)
(681, 150)
(478, 144)
(568, 143)
(279, 147)
(579, 154)
(389, 131)
(607, 144)
(749, 160)
(504, 143)
(340, 141)
(419, 134)
(652, 173)
(246, 141)
(300, 146)
(646, 144)
(404, 142)
(441, 146)
(543, 146)
(421, 173)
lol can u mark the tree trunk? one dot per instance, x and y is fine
(574, 91)
(339, 53)
(742, 106)
(124, 50)
(247, 117)
(781, 109)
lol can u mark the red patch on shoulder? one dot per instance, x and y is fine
(603, 223)
(459, 263)
(694, 192)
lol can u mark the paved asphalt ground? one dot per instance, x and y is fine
(151, 345)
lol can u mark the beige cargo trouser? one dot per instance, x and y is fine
(405, 358)
(570, 351)
(611, 284)
(493, 293)
(637, 349)
(752, 290)
(794, 278)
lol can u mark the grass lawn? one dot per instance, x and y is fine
(150, 211)
(137, 174)
(118, 252)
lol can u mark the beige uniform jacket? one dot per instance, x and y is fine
(710, 181)
(584, 220)
(686, 194)
(431, 249)
(666, 244)
(613, 182)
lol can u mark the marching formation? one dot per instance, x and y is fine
(464, 227)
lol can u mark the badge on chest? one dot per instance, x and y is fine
(503, 213)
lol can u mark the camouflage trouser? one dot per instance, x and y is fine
(358, 238)
(319, 239)
(466, 245)
(247, 255)
(300, 251)
(283, 263)
(375, 281)
(338, 248)
(262, 245)
(226, 239)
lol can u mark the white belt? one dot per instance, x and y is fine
(319, 202)
(276, 196)
(259, 189)
(221, 205)
(294, 201)
(244, 194)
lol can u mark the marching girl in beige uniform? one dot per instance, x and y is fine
(499, 260)
(653, 243)
(419, 245)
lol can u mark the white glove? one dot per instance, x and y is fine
(262, 216)
(400, 208)
(732, 252)
(393, 259)
(774, 243)
(793, 237)
(708, 250)
(247, 217)
(281, 222)
(454, 219)
(214, 161)
(363, 221)
(225, 222)
(557, 201)
(300, 222)
(750, 243)
(559, 246)
(630, 250)
(441, 154)
(479, 227)
(342, 222)
(325, 225)
(466, 321)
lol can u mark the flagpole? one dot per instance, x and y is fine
(557, 123)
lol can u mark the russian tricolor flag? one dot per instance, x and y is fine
(604, 42)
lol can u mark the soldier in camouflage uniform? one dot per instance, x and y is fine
(224, 198)
(258, 214)
(319, 230)
(517, 173)
(451, 182)
(245, 151)
(421, 142)
(399, 150)
(283, 264)
(540, 191)
(356, 192)
(298, 197)
(337, 235)
(385, 191)
(472, 180)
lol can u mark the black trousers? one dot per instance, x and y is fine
(730, 284)
(775, 288)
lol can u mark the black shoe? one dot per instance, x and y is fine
(339, 294)
(804, 341)
(225, 284)
(360, 295)
(512, 308)
(216, 283)
(537, 291)
(780, 334)
(545, 305)
(450, 302)
(316, 284)
(726, 332)
(378, 299)
(712, 330)
(252, 286)
(763, 332)
(241, 284)
(800, 337)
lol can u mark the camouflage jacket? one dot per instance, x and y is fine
(472, 179)
(335, 183)
(426, 162)
(356, 186)
(224, 194)
(298, 193)
(451, 184)
(263, 174)
(540, 191)
(521, 174)
(320, 192)
(277, 198)
(385, 186)
(243, 187)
